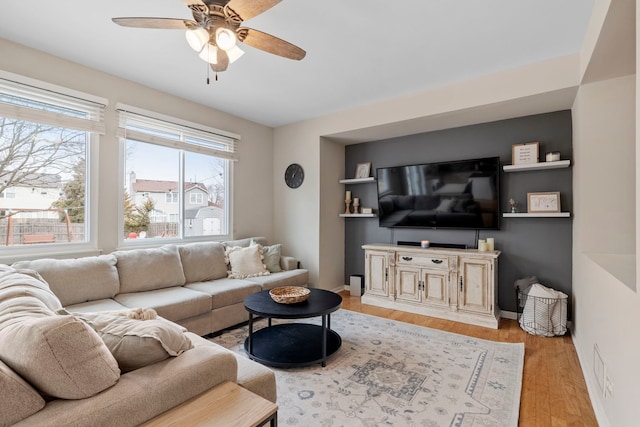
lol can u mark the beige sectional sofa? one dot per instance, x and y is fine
(186, 284)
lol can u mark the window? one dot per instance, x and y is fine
(8, 193)
(167, 159)
(196, 198)
(45, 137)
(171, 197)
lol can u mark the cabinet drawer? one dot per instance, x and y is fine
(422, 260)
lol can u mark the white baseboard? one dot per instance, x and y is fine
(338, 289)
(509, 315)
(592, 388)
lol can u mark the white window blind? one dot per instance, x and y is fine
(175, 133)
(23, 101)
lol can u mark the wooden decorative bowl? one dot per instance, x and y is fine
(289, 294)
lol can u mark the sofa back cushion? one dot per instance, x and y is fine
(203, 261)
(149, 269)
(243, 243)
(19, 399)
(60, 356)
(75, 281)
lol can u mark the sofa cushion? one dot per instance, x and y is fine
(97, 305)
(149, 269)
(245, 262)
(175, 303)
(271, 257)
(137, 343)
(243, 243)
(203, 261)
(78, 280)
(19, 399)
(144, 393)
(59, 355)
(298, 277)
(253, 376)
(226, 292)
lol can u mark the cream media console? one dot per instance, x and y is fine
(453, 284)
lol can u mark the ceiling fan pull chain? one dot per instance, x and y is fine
(207, 73)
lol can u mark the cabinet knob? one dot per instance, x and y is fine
(407, 258)
(436, 261)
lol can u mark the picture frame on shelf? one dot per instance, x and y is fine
(543, 202)
(363, 170)
(525, 154)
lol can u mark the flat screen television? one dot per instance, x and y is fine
(459, 194)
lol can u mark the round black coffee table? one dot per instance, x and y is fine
(292, 344)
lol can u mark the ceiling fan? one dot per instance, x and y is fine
(216, 29)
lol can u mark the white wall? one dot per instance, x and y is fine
(253, 204)
(606, 311)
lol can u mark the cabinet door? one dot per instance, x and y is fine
(407, 283)
(375, 273)
(476, 285)
(436, 287)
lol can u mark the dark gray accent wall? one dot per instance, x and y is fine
(530, 246)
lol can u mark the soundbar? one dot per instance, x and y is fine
(433, 244)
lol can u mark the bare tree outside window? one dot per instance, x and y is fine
(29, 151)
(44, 169)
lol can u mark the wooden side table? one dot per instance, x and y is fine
(227, 404)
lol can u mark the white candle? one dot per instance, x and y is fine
(356, 201)
(490, 244)
(348, 196)
(424, 243)
(482, 245)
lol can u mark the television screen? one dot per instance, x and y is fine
(460, 194)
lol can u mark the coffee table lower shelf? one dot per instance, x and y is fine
(291, 345)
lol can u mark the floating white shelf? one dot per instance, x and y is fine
(537, 215)
(357, 180)
(358, 215)
(537, 166)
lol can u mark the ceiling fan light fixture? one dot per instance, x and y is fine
(234, 53)
(197, 38)
(209, 53)
(225, 39)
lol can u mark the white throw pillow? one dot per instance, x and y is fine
(245, 262)
(446, 205)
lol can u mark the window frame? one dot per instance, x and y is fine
(230, 157)
(94, 126)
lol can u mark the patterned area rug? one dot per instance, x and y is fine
(389, 373)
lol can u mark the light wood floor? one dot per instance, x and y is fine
(554, 392)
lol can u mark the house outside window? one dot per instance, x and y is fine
(171, 197)
(46, 137)
(183, 169)
(9, 193)
(196, 198)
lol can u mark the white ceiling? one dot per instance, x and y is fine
(358, 51)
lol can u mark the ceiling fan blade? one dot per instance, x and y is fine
(158, 23)
(247, 9)
(269, 43)
(223, 61)
(194, 3)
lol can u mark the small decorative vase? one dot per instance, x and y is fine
(513, 209)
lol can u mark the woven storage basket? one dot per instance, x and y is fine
(289, 294)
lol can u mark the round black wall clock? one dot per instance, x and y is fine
(294, 175)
